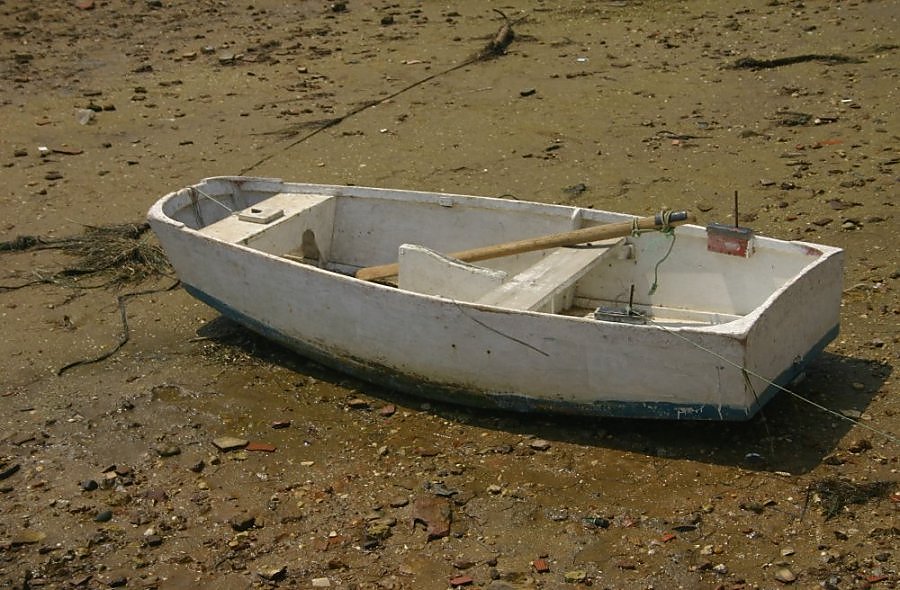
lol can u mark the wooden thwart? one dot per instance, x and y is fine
(543, 286)
(570, 238)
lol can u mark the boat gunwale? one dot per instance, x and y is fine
(738, 328)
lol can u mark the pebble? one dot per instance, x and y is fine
(260, 447)
(272, 573)
(785, 575)
(104, 516)
(575, 576)
(153, 540)
(321, 583)
(358, 404)
(229, 443)
(461, 581)
(29, 537)
(168, 450)
(242, 522)
(539, 444)
(399, 502)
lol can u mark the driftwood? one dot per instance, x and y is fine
(495, 47)
(751, 63)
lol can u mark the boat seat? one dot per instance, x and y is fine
(547, 285)
(426, 271)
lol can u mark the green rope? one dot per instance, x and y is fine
(666, 229)
(670, 232)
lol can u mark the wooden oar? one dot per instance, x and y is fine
(569, 238)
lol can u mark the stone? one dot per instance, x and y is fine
(260, 447)
(575, 576)
(272, 573)
(229, 443)
(29, 537)
(321, 583)
(539, 444)
(242, 522)
(785, 575)
(168, 450)
(435, 514)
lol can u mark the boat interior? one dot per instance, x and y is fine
(675, 279)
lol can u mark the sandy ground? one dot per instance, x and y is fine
(108, 474)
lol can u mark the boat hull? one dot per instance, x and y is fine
(491, 357)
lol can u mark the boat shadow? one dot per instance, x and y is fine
(792, 433)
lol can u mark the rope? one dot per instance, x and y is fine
(887, 435)
(667, 229)
(214, 200)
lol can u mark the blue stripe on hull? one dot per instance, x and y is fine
(509, 401)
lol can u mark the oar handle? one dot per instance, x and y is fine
(569, 238)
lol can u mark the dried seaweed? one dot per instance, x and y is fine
(119, 254)
(835, 493)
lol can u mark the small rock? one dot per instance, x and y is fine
(321, 583)
(358, 404)
(387, 20)
(527, 92)
(787, 551)
(260, 447)
(104, 516)
(539, 444)
(494, 489)
(785, 575)
(597, 521)
(168, 450)
(435, 513)
(20, 153)
(860, 446)
(153, 540)
(575, 576)
(229, 443)
(89, 485)
(379, 528)
(242, 522)
(272, 573)
(198, 466)
(29, 537)
(53, 175)
(399, 502)
(277, 424)
(461, 581)
(388, 410)
(720, 568)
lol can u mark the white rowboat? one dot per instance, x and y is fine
(690, 323)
